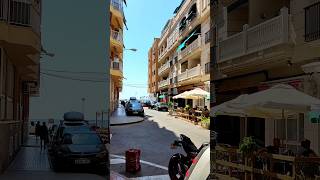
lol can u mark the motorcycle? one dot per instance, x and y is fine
(179, 163)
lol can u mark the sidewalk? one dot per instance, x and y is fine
(119, 117)
(32, 164)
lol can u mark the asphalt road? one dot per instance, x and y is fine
(153, 137)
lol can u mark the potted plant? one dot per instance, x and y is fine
(170, 107)
(205, 122)
(187, 108)
(247, 147)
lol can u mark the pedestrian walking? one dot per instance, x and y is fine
(44, 136)
(37, 130)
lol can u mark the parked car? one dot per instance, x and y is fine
(161, 106)
(200, 168)
(134, 107)
(153, 104)
(79, 149)
(76, 144)
(146, 103)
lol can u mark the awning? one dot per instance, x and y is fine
(182, 45)
(162, 96)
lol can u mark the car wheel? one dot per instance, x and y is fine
(103, 170)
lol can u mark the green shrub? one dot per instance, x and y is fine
(248, 145)
(187, 108)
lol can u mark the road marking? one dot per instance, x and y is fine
(159, 177)
(141, 161)
(117, 161)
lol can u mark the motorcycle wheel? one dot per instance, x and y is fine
(176, 169)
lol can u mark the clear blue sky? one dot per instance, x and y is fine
(145, 20)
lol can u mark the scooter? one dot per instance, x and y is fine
(179, 163)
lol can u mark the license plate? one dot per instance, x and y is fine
(135, 112)
(82, 161)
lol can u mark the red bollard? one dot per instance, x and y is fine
(133, 160)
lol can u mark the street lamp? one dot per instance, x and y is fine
(83, 101)
(131, 49)
(45, 52)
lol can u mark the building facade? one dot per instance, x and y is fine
(117, 21)
(259, 44)
(184, 51)
(153, 70)
(20, 48)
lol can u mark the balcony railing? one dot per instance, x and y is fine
(117, 36)
(20, 13)
(190, 73)
(117, 4)
(190, 48)
(164, 67)
(163, 83)
(262, 36)
(116, 65)
(312, 24)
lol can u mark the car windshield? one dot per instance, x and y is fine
(81, 139)
(136, 105)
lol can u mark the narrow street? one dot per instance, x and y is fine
(153, 137)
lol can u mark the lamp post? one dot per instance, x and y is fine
(83, 103)
(131, 49)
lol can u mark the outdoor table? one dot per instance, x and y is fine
(198, 113)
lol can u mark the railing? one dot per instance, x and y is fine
(270, 33)
(20, 13)
(188, 23)
(116, 65)
(312, 24)
(164, 83)
(162, 54)
(231, 163)
(190, 73)
(191, 48)
(117, 4)
(117, 36)
(164, 67)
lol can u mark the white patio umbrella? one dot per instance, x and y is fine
(277, 101)
(226, 109)
(197, 93)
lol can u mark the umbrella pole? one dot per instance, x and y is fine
(245, 126)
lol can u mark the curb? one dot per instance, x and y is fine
(121, 124)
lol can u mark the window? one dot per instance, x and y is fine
(207, 68)
(207, 37)
(312, 22)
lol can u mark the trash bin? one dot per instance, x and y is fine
(133, 160)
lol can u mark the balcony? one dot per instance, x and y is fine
(116, 68)
(162, 54)
(164, 67)
(190, 73)
(118, 5)
(190, 48)
(268, 34)
(163, 83)
(21, 13)
(20, 30)
(117, 36)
